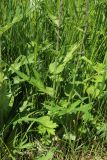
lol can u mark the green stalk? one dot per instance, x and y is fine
(7, 149)
(0, 54)
(59, 25)
(56, 84)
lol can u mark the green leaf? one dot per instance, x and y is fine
(85, 109)
(93, 91)
(45, 121)
(46, 125)
(16, 19)
(55, 68)
(1, 77)
(69, 54)
(48, 156)
(98, 78)
(11, 102)
(22, 60)
(9, 25)
(73, 107)
(34, 81)
(24, 106)
(18, 80)
(99, 68)
(26, 146)
(86, 60)
(49, 91)
(54, 19)
(69, 136)
(52, 67)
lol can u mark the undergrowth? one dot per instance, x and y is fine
(53, 79)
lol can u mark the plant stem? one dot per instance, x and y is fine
(56, 84)
(59, 25)
(86, 21)
(0, 54)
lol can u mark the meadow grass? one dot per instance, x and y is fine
(53, 79)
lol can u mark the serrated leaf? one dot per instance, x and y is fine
(46, 125)
(45, 121)
(37, 82)
(72, 107)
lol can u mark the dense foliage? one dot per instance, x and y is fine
(53, 78)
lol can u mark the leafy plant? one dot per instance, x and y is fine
(53, 64)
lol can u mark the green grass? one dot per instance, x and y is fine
(53, 80)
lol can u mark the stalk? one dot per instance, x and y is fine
(86, 24)
(0, 54)
(59, 25)
(82, 44)
(55, 84)
(0, 63)
(86, 19)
